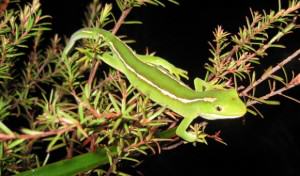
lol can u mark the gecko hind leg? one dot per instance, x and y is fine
(163, 63)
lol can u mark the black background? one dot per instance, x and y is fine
(256, 146)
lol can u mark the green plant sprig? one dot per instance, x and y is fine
(234, 56)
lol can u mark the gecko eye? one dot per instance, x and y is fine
(219, 108)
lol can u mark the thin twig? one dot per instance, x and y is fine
(173, 146)
(5, 137)
(112, 167)
(269, 73)
(293, 83)
(93, 73)
(121, 20)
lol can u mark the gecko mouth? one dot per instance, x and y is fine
(217, 116)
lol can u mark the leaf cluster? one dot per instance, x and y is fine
(90, 113)
(61, 104)
(234, 56)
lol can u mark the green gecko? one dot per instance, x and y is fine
(162, 87)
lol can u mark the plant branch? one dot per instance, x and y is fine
(93, 73)
(5, 137)
(269, 73)
(294, 82)
(121, 20)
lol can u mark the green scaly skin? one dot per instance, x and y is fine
(166, 90)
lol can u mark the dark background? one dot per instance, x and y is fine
(256, 146)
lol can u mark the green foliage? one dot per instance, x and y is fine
(95, 117)
(65, 107)
(235, 55)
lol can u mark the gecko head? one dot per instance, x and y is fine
(224, 104)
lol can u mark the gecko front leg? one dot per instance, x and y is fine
(182, 132)
(201, 85)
